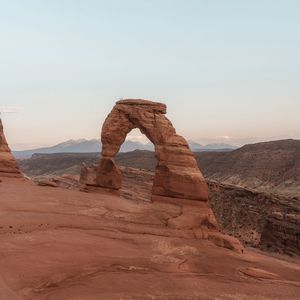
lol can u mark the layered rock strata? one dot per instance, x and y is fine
(177, 178)
(270, 222)
(176, 175)
(8, 164)
(195, 216)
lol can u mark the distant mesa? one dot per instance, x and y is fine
(8, 164)
(268, 167)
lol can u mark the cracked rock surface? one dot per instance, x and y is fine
(57, 243)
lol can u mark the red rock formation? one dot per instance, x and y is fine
(177, 173)
(64, 244)
(8, 164)
(177, 178)
(268, 221)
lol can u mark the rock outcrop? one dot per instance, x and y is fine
(177, 179)
(270, 222)
(59, 243)
(176, 175)
(8, 164)
(263, 220)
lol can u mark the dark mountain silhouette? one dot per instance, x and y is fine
(80, 146)
(90, 146)
(270, 166)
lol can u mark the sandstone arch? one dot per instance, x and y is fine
(177, 173)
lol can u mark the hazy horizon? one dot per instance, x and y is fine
(228, 71)
(135, 136)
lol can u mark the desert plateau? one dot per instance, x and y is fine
(95, 235)
(149, 150)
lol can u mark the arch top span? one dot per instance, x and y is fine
(176, 174)
(145, 104)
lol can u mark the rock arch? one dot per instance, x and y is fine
(177, 173)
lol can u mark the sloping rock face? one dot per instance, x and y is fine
(177, 174)
(64, 244)
(270, 222)
(8, 164)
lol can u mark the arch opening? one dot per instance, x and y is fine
(176, 174)
(137, 162)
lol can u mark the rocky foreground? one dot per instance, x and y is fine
(60, 243)
(266, 221)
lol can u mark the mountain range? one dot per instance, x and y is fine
(268, 167)
(94, 145)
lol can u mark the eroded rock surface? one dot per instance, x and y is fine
(64, 244)
(266, 221)
(177, 177)
(8, 164)
(270, 222)
(177, 173)
(257, 219)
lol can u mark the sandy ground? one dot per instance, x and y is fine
(65, 244)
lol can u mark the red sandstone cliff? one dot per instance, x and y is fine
(8, 164)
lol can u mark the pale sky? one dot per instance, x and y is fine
(228, 70)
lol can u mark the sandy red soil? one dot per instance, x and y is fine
(66, 244)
